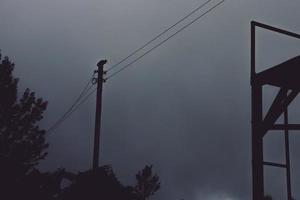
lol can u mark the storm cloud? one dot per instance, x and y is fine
(185, 108)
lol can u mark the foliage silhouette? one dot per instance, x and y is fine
(100, 183)
(21, 139)
(147, 183)
(34, 186)
(103, 184)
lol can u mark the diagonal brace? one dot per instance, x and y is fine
(279, 105)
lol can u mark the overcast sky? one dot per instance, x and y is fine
(185, 108)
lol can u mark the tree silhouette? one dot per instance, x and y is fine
(147, 183)
(21, 139)
(40, 186)
(100, 183)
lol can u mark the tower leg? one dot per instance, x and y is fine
(257, 144)
(287, 156)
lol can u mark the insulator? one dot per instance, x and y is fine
(94, 81)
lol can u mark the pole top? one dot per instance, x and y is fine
(101, 63)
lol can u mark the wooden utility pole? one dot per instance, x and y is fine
(100, 81)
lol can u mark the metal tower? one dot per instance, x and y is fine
(286, 77)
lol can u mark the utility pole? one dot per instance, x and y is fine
(99, 82)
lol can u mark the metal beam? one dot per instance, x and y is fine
(274, 164)
(275, 29)
(271, 118)
(257, 143)
(281, 95)
(287, 156)
(253, 56)
(284, 127)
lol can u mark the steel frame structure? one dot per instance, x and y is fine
(284, 77)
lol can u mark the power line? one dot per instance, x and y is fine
(160, 34)
(78, 102)
(75, 108)
(66, 114)
(71, 107)
(165, 40)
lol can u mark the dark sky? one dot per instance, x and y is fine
(185, 108)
